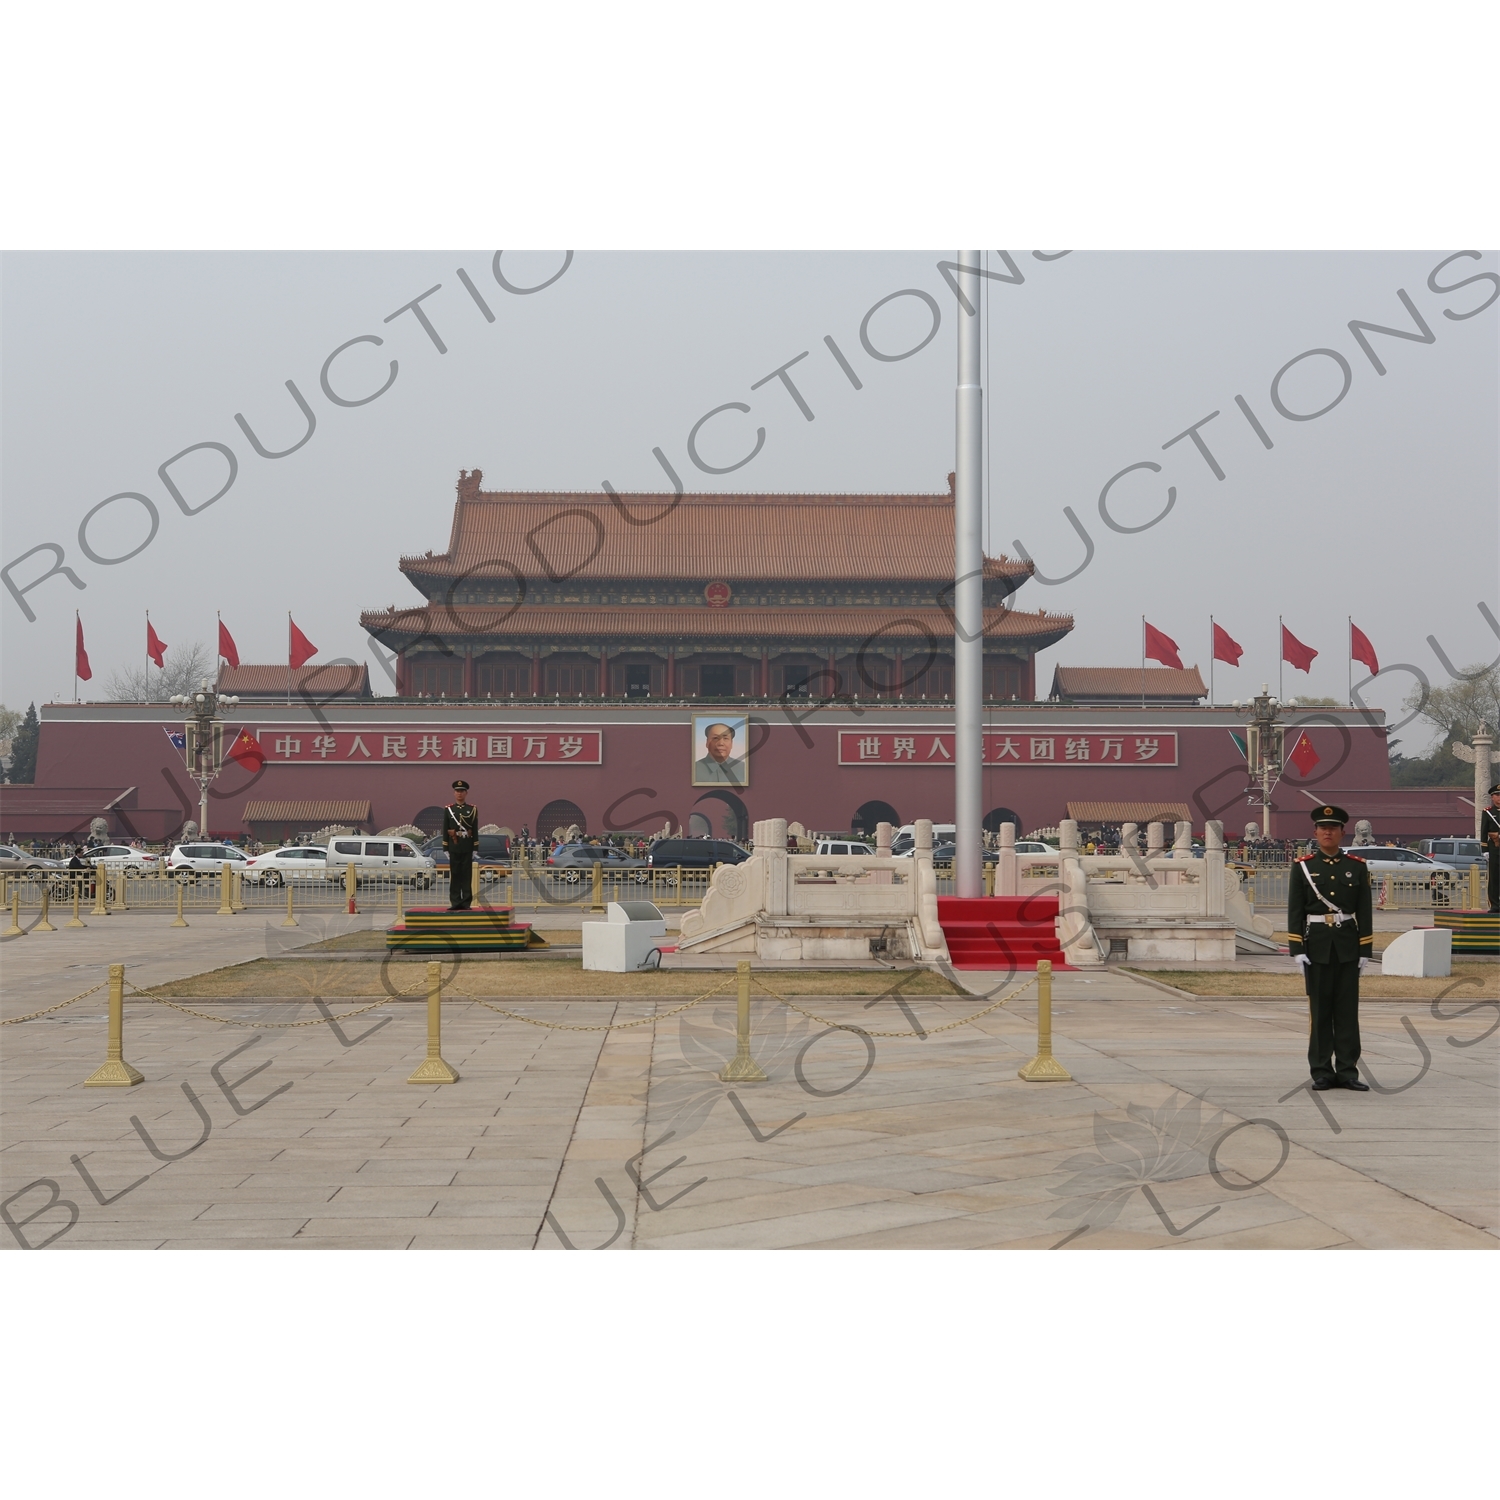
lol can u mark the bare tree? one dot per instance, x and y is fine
(1457, 709)
(186, 668)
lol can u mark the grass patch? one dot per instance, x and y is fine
(1476, 981)
(304, 979)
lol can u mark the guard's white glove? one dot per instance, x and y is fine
(1364, 964)
(1301, 960)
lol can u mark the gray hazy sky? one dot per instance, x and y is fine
(1385, 508)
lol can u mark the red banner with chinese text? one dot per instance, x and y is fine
(437, 747)
(1047, 747)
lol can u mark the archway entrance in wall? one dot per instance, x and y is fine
(998, 815)
(560, 813)
(732, 816)
(429, 820)
(871, 813)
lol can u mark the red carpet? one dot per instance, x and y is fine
(1000, 932)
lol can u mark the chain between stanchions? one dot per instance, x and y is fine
(612, 1026)
(203, 1015)
(894, 1035)
(62, 1005)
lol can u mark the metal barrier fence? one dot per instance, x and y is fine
(526, 887)
(1266, 890)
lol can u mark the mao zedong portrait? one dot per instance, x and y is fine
(714, 745)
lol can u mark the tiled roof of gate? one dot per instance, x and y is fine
(733, 537)
(1128, 682)
(1129, 812)
(316, 811)
(929, 628)
(331, 680)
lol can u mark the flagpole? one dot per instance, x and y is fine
(1350, 655)
(77, 625)
(1143, 661)
(288, 658)
(1210, 661)
(1280, 657)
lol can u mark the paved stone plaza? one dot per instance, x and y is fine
(1187, 1125)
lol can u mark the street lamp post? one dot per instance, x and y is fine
(1262, 750)
(204, 741)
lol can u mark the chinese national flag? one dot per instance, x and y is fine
(227, 647)
(1162, 648)
(81, 667)
(247, 750)
(299, 649)
(156, 648)
(1226, 648)
(1294, 652)
(1360, 648)
(1303, 756)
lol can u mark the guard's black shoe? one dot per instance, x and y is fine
(1322, 1085)
(1357, 1084)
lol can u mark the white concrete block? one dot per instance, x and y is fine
(1422, 953)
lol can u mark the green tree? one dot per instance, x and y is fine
(23, 749)
(1457, 709)
(9, 719)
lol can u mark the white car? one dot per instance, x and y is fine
(189, 861)
(1033, 846)
(830, 846)
(119, 857)
(1390, 859)
(297, 862)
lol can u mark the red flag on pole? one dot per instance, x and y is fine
(299, 649)
(1162, 648)
(156, 648)
(1226, 648)
(1303, 756)
(81, 667)
(1294, 652)
(247, 750)
(227, 647)
(1360, 648)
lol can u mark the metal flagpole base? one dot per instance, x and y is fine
(116, 1073)
(1045, 1070)
(742, 1070)
(433, 1070)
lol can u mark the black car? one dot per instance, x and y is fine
(492, 849)
(694, 854)
(942, 854)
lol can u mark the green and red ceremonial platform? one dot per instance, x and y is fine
(1473, 931)
(435, 929)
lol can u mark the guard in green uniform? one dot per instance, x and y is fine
(1489, 832)
(460, 835)
(1331, 928)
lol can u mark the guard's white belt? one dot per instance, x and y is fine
(1332, 919)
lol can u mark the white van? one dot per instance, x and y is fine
(398, 857)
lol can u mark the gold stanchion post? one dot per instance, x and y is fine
(350, 884)
(598, 902)
(1044, 1068)
(101, 891)
(120, 880)
(433, 1068)
(226, 909)
(15, 929)
(237, 890)
(743, 1068)
(290, 921)
(400, 899)
(180, 920)
(115, 1072)
(43, 925)
(77, 920)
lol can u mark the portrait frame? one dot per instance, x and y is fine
(704, 769)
